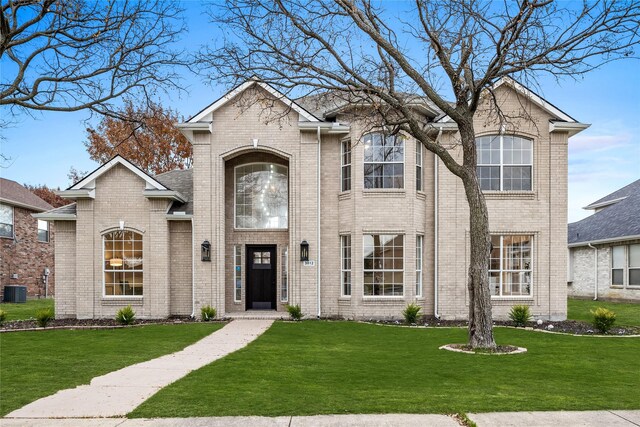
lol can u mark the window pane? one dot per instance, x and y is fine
(123, 263)
(383, 264)
(6, 221)
(618, 257)
(617, 277)
(634, 277)
(634, 256)
(383, 161)
(262, 196)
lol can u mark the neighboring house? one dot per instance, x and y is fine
(26, 243)
(314, 210)
(605, 248)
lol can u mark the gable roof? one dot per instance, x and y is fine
(14, 194)
(180, 180)
(202, 114)
(88, 182)
(618, 220)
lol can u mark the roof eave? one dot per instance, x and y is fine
(602, 241)
(165, 194)
(571, 128)
(22, 205)
(55, 217)
(77, 194)
(179, 217)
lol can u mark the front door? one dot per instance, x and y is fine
(261, 277)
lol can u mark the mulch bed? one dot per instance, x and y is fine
(17, 325)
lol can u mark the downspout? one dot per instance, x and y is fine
(318, 227)
(435, 231)
(193, 271)
(595, 270)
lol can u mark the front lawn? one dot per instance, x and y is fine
(343, 367)
(25, 310)
(37, 364)
(627, 314)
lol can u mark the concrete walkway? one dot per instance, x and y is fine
(498, 419)
(120, 392)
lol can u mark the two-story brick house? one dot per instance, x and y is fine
(26, 243)
(314, 210)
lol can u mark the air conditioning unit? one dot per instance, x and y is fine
(15, 293)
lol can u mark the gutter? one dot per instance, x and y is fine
(601, 241)
(595, 270)
(193, 270)
(318, 226)
(435, 230)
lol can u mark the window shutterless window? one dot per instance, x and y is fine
(261, 196)
(510, 265)
(625, 265)
(345, 173)
(419, 158)
(123, 263)
(383, 161)
(43, 231)
(6, 221)
(419, 245)
(505, 163)
(345, 265)
(383, 264)
(237, 273)
(617, 266)
(284, 284)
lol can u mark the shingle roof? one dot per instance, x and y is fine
(13, 193)
(69, 209)
(180, 180)
(618, 221)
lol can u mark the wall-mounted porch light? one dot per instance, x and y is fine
(304, 251)
(206, 251)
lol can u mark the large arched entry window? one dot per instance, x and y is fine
(261, 196)
(123, 263)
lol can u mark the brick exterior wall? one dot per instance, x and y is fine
(26, 256)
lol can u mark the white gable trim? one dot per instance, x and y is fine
(246, 85)
(88, 182)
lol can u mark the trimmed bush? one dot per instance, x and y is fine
(520, 315)
(44, 316)
(3, 316)
(410, 313)
(603, 319)
(295, 312)
(208, 313)
(125, 316)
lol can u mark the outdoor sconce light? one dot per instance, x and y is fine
(206, 251)
(304, 251)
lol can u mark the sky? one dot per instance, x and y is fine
(602, 158)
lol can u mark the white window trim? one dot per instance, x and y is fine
(419, 238)
(625, 268)
(48, 230)
(235, 272)
(419, 164)
(235, 202)
(343, 165)
(404, 263)
(403, 163)
(13, 223)
(502, 165)
(284, 273)
(104, 283)
(515, 297)
(344, 270)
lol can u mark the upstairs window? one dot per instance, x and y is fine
(419, 158)
(43, 231)
(505, 163)
(383, 161)
(345, 172)
(262, 196)
(6, 221)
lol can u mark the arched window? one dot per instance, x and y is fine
(505, 163)
(123, 263)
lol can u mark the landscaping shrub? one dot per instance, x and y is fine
(125, 316)
(410, 313)
(603, 319)
(520, 315)
(295, 312)
(208, 313)
(3, 316)
(44, 316)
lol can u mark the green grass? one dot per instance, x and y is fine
(37, 364)
(340, 367)
(26, 310)
(627, 314)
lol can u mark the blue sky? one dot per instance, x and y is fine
(601, 159)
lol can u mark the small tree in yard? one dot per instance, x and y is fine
(363, 54)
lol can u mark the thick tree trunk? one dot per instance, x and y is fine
(480, 321)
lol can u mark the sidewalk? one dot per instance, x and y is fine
(120, 392)
(529, 419)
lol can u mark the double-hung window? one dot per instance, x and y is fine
(345, 171)
(383, 161)
(505, 163)
(6, 221)
(383, 265)
(510, 265)
(625, 265)
(345, 264)
(43, 231)
(123, 263)
(419, 157)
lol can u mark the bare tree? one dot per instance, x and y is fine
(457, 48)
(70, 55)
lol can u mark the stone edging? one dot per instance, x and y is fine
(448, 347)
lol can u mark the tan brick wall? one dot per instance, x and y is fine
(65, 300)
(180, 268)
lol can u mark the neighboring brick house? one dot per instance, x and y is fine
(606, 246)
(313, 210)
(26, 243)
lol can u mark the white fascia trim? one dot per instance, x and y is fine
(83, 193)
(246, 85)
(22, 205)
(202, 126)
(325, 127)
(118, 160)
(571, 128)
(55, 217)
(603, 204)
(179, 217)
(601, 241)
(164, 194)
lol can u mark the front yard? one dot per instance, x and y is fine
(344, 367)
(37, 364)
(27, 310)
(627, 314)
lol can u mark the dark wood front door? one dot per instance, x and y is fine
(261, 277)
